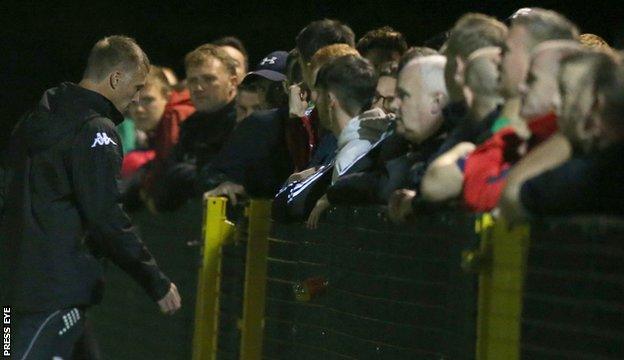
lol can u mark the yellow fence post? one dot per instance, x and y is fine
(500, 291)
(216, 230)
(259, 214)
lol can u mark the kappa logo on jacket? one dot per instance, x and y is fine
(102, 139)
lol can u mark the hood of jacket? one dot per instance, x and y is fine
(61, 111)
(369, 125)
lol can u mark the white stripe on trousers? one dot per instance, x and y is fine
(32, 342)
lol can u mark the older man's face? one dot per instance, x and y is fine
(577, 104)
(515, 63)
(540, 90)
(241, 62)
(416, 107)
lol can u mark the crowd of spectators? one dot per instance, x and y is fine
(522, 117)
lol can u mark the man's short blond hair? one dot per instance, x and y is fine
(473, 31)
(331, 52)
(206, 52)
(112, 52)
(593, 41)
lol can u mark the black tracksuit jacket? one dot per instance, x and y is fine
(62, 208)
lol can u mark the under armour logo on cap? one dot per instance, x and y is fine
(267, 60)
(102, 139)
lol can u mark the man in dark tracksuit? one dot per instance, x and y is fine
(62, 210)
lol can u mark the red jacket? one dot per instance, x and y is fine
(302, 136)
(177, 110)
(165, 136)
(485, 170)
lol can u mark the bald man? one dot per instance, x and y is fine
(421, 96)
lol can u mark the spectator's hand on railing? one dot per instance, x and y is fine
(321, 205)
(171, 302)
(229, 189)
(400, 205)
(302, 175)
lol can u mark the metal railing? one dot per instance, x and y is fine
(361, 287)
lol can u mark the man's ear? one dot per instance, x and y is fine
(459, 71)
(333, 100)
(595, 125)
(468, 95)
(234, 82)
(439, 100)
(114, 79)
(590, 126)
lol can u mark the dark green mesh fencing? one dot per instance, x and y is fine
(392, 292)
(128, 324)
(574, 292)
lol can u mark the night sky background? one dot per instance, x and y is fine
(44, 43)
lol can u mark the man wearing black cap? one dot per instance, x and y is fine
(255, 159)
(261, 88)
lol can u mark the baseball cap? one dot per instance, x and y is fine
(272, 67)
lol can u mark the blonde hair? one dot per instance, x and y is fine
(331, 52)
(157, 77)
(205, 52)
(593, 41)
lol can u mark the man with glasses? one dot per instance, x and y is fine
(386, 85)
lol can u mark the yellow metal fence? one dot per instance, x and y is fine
(499, 260)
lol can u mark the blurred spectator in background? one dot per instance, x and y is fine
(580, 170)
(141, 166)
(146, 115)
(172, 78)
(486, 168)
(382, 45)
(386, 87)
(471, 32)
(529, 27)
(444, 178)
(413, 53)
(234, 47)
(304, 134)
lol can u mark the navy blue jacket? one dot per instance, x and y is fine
(255, 155)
